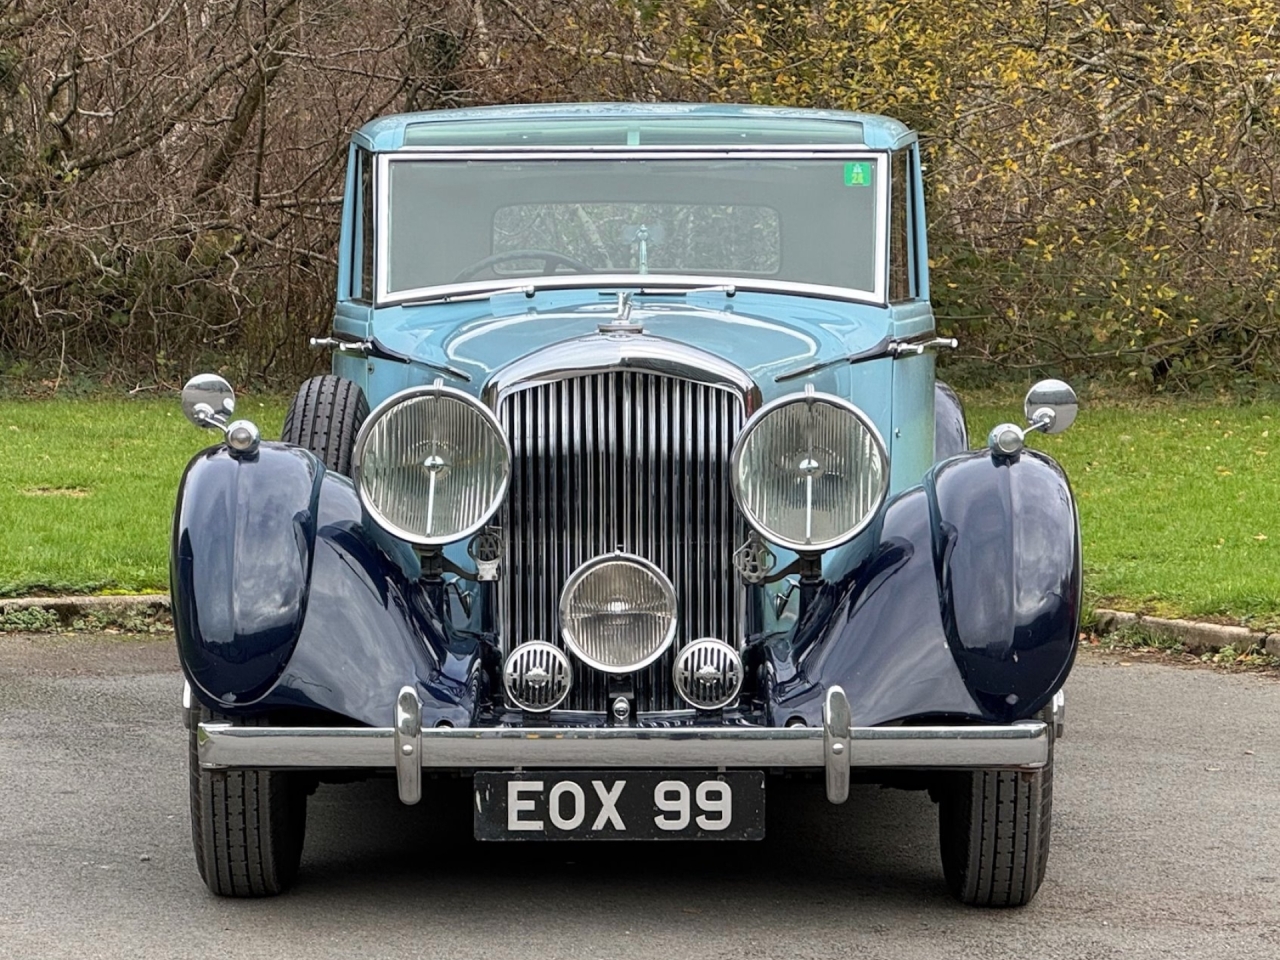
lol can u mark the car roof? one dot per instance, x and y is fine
(578, 124)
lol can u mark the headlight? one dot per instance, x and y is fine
(618, 613)
(809, 471)
(431, 465)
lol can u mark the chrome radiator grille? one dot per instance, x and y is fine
(620, 461)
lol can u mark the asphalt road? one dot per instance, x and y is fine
(1166, 844)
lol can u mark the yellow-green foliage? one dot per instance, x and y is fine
(1102, 173)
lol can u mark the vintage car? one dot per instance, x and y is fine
(632, 485)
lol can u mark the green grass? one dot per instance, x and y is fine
(1178, 500)
(87, 490)
(1179, 503)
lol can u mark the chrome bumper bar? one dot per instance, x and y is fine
(836, 747)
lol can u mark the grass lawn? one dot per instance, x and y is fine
(1179, 501)
(87, 490)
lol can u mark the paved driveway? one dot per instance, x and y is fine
(1166, 844)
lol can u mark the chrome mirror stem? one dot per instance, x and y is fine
(1042, 420)
(204, 416)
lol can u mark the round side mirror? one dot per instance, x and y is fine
(208, 400)
(1051, 406)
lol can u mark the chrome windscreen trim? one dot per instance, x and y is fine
(385, 296)
(1023, 746)
(633, 151)
(478, 289)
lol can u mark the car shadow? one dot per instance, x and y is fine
(879, 846)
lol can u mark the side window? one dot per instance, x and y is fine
(902, 282)
(362, 268)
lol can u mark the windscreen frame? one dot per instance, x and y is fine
(384, 296)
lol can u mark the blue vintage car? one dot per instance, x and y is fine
(632, 485)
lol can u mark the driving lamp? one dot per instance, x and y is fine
(809, 471)
(431, 465)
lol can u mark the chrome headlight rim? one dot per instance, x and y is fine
(581, 573)
(381, 411)
(739, 447)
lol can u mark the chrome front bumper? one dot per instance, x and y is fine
(837, 746)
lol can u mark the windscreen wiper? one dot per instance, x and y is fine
(888, 347)
(528, 289)
(728, 289)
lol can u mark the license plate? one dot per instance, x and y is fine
(619, 805)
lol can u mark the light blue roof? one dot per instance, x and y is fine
(573, 124)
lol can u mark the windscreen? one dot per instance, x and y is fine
(799, 220)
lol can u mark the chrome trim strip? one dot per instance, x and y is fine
(408, 745)
(640, 353)
(478, 289)
(1022, 746)
(683, 714)
(593, 151)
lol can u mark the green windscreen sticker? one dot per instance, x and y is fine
(857, 173)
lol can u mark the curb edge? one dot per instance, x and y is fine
(70, 609)
(1196, 637)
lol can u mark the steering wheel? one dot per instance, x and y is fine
(550, 260)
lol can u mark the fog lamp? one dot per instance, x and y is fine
(618, 613)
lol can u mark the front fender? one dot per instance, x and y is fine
(240, 565)
(1006, 550)
(968, 605)
(286, 599)
(950, 435)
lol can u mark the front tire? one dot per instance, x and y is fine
(324, 417)
(247, 826)
(994, 828)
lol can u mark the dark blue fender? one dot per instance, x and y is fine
(968, 607)
(950, 435)
(243, 542)
(284, 597)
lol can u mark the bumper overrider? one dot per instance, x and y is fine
(836, 747)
